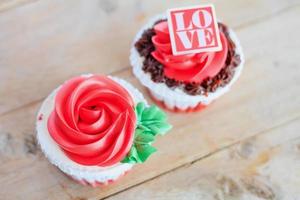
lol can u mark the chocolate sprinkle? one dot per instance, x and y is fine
(145, 46)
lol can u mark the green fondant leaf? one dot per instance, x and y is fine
(159, 128)
(132, 156)
(127, 159)
(139, 110)
(153, 113)
(153, 119)
(145, 151)
(150, 122)
(143, 137)
(145, 128)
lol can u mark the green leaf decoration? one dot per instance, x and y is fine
(143, 137)
(145, 151)
(139, 110)
(151, 121)
(132, 156)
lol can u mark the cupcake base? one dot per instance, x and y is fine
(176, 99)
(97, 183)
(175, 109)
(86, 175)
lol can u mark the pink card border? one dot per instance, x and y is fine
(211, 49)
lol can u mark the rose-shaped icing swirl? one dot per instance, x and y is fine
(190, 67)
(93, 120)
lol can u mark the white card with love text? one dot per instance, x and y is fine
(194, 30)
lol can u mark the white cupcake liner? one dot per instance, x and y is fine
(177, 98)
(92, 175)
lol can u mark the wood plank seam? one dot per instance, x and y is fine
(66, 183)
(15, 4)
(41, 99)
(266, 17)
(211, 154)
(240, 27)
(256, 160)
(66, 191)
(24, 106)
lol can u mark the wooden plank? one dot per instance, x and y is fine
(263, 167)
(10, 4)
(45, 42)
(254, 106)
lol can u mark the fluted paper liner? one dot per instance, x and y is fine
(92, 175)
(176, 98)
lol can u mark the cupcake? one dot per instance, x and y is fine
(95, 128)
(184, 83)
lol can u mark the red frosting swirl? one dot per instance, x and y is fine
(189, 67)
(93, 120)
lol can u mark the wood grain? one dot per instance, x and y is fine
(262, 167)
(10, 4)
(263, 103)
(46, 42)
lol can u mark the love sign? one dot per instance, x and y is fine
(194, 30)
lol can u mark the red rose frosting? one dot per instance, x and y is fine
(93, 120)
(189, 67)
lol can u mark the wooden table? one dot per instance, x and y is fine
(244, 146)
